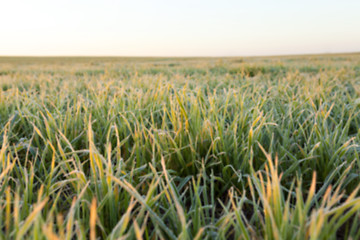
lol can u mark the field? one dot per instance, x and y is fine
(180, 148)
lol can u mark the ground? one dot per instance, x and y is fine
(188, 148)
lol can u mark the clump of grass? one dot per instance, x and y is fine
(192, 149)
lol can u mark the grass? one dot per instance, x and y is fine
(193, 148)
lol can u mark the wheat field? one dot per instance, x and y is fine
(180, 148)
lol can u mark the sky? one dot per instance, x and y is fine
(178, 28)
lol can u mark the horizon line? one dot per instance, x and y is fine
(177, 56)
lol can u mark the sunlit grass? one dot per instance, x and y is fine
(107, 148)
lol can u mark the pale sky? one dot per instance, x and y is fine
(178, 28)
